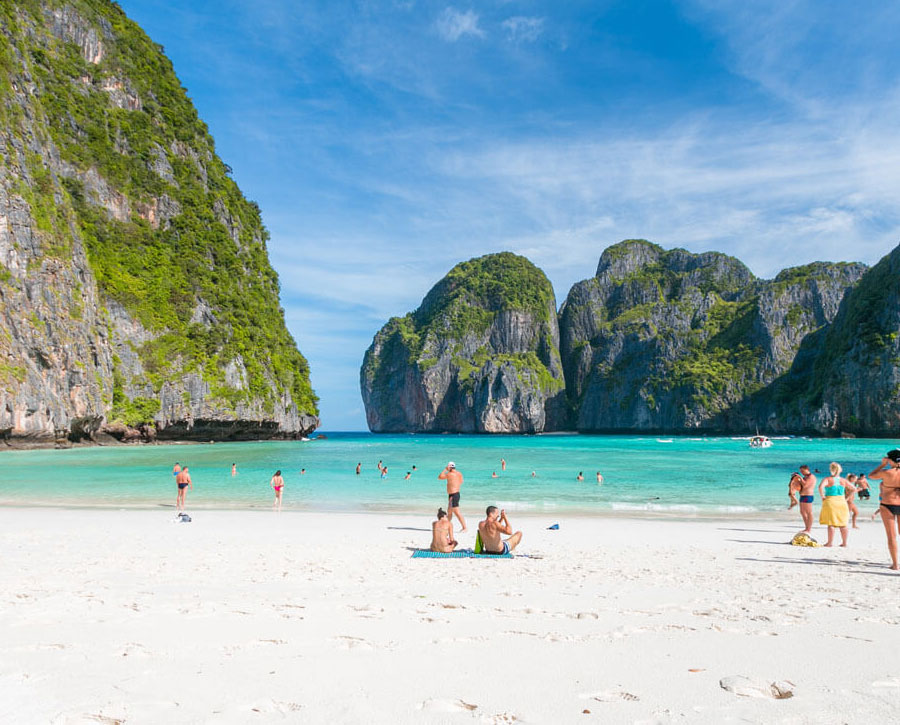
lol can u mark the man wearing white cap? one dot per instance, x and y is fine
(454, 481)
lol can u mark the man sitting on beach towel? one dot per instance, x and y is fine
(490, 530)
(442, 534)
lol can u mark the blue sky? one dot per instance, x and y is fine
(385, 141)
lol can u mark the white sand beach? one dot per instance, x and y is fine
(123, 616)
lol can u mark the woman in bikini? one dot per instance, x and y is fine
(889, 475)
(794, 487)
(835, 512)
(277, 484)
(850, 495)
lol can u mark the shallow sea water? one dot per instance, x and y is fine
(675, 475)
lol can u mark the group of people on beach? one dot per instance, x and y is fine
(838, 494)
(490, 531)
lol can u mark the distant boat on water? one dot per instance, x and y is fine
(759, 441)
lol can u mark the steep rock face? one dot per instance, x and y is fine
(671, 341)
(846, 377)
(136, 295)
(479, 355)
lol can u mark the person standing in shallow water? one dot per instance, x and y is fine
(454, 481)
(234, 469)
(835, 513)
(358, 467)
(277, 484)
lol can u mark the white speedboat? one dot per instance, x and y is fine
(759, 441)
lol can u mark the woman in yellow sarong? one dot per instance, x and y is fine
(835, 512)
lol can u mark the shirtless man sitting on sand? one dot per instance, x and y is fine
(492, 527)
(807, 496)
(442, 534)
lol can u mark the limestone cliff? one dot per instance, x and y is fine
(673, 341)
(136, 297)
(846, 377)
(479, 355)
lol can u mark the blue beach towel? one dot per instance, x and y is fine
(462, 554)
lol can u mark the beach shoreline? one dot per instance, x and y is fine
(245, 616)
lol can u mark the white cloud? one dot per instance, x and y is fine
(523, 29)
(452, 24)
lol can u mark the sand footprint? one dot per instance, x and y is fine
(745, 687)
(354, 643)
(367, 612)
(279, 707)
(610, 696)
(889, 682)
(446, 706)
(500, 718)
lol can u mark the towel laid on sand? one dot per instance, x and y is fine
(462, 554)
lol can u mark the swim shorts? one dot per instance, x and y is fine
(454, 500)
(182, 485)
(807, 499)
(497, 553)
(864, 493)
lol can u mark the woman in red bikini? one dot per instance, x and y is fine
(889, 475)
(277, 483)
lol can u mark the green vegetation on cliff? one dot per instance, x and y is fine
(182, 237)
(479, 354)
(467, 298)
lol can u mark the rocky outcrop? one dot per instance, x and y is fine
(480, 355)
(672, 341)
(846, 377)
(136, 298)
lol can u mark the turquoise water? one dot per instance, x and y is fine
(681, 475)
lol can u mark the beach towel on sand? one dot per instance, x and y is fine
(462, 554)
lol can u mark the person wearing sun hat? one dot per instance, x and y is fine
(454, 481)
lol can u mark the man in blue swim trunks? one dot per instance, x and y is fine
(492, 527)
(807, 496)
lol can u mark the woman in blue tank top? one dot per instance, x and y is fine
(835, 513)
